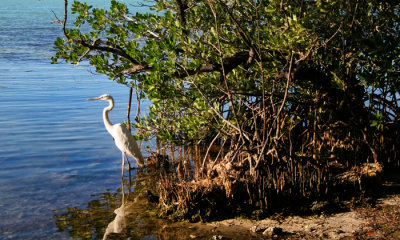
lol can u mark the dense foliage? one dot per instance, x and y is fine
(294, 92)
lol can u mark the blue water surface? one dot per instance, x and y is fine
(54, 150)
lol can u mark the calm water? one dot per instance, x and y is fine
(54, 150)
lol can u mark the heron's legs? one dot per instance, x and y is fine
(129, 169)
(127, 159)
(123, 165)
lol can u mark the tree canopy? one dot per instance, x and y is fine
(295, 90)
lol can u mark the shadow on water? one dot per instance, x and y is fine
(131, 213)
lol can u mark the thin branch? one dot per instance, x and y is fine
(137, 118)
(57, 20)
(287, 85)
(242, 33)
(224, 74)
(147, 30)
(64, 22)
(333, 35)
(128, 114)
(133, 70)
(208, 150)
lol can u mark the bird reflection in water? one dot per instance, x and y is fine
(119, 224)
(131, 210)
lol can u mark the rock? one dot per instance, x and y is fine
(257, 229)
(218, 237)
(271, 231)
(318, 207)
(309, 228)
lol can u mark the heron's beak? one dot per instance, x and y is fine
(92, 99)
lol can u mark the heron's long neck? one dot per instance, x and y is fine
(107, 122)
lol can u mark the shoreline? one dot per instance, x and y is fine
(370, 218)
(363, 222)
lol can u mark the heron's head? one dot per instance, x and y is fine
(104, 97)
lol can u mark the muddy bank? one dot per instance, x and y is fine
(364, 222)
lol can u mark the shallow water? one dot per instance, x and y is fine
(54, 150)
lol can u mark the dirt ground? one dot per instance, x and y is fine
(380, 220)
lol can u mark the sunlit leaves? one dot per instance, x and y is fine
(341, 40)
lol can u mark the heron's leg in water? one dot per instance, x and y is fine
(129, 169)
(123, 164)
(127, 159)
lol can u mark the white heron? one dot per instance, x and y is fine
(122, 137)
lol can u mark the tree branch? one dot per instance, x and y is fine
(245, 58)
